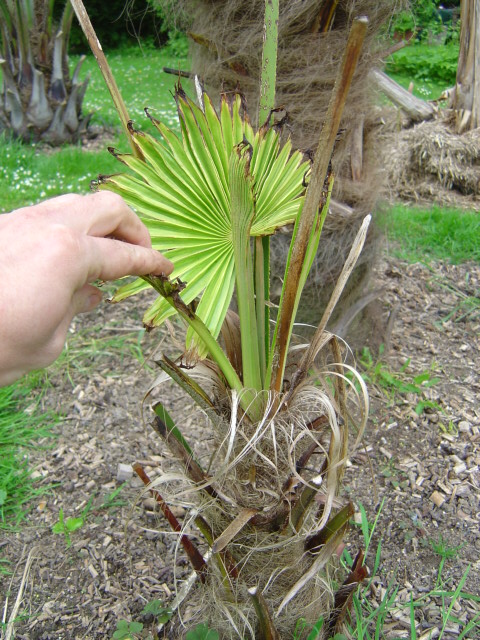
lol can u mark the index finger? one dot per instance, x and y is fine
(108, 259)
(99, 214)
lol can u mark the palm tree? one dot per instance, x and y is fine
(267, 500)
(40, 100)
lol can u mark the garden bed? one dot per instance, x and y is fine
(423, 466)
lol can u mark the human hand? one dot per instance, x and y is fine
(49, 254)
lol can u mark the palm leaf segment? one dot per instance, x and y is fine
(181, 191)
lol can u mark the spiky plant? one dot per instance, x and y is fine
(267, 499)
(40, 100)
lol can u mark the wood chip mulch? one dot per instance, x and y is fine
(424, 468)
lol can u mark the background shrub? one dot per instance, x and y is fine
(422, 62)
(120, 23)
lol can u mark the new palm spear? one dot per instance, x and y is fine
(266, 499)
(203, 197)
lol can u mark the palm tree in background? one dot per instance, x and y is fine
(40, 99)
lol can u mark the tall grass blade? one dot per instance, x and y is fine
(413, 628)
(455, 597)
(317, 627)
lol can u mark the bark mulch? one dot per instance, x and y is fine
(424, 467)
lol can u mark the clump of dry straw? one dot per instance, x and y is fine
(430, 162)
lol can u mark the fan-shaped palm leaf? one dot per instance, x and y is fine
(182, 191)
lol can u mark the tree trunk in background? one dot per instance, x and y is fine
(466, 101)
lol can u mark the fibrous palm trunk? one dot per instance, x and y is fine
(40, 101)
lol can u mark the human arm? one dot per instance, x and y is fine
(49, 255)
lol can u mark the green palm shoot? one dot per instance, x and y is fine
(204, 197)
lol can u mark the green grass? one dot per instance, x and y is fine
(29, 174)
(423, 235)
(141, 81)
(431, 68)
(83, 353)
(370, 619)
(22, 427)
(425, 88)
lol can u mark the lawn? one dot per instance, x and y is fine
(29, 173)
(432, 233)
(431, 68)
(23, 426)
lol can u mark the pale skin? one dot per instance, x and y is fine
(50, 254)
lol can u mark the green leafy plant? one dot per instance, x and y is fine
(157, 609)
(266, 501)
(422, 20)
(202, 632)
(127, 630)
(71, 524)
(67, 526)
(175, 23)
(445, 551)
(404, 24)
(425, 62)
(377, 373)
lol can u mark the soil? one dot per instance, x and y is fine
(423, 469)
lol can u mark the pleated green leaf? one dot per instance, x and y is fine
(181, 191)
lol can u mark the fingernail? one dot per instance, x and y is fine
(167, 269)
